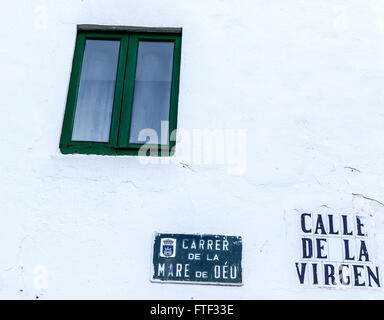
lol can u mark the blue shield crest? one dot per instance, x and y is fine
(168, 248)
(167, 251)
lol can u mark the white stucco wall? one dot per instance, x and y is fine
(303, 79)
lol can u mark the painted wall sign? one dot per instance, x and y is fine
(193, 258)
(336, 251)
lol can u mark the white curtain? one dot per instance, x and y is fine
(152, 89)
(96, 92)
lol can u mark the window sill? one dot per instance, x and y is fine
(99, 150)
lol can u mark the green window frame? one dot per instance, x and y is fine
(118, 143)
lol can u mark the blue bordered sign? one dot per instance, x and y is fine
(197, 258)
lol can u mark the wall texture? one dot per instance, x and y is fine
(302, 78)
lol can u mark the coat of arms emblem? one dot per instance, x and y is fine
(168, 248)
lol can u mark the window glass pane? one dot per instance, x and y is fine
(152, 93)
(96, 91)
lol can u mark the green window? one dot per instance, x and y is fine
(123, 92)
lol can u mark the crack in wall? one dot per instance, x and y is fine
(367, 198)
